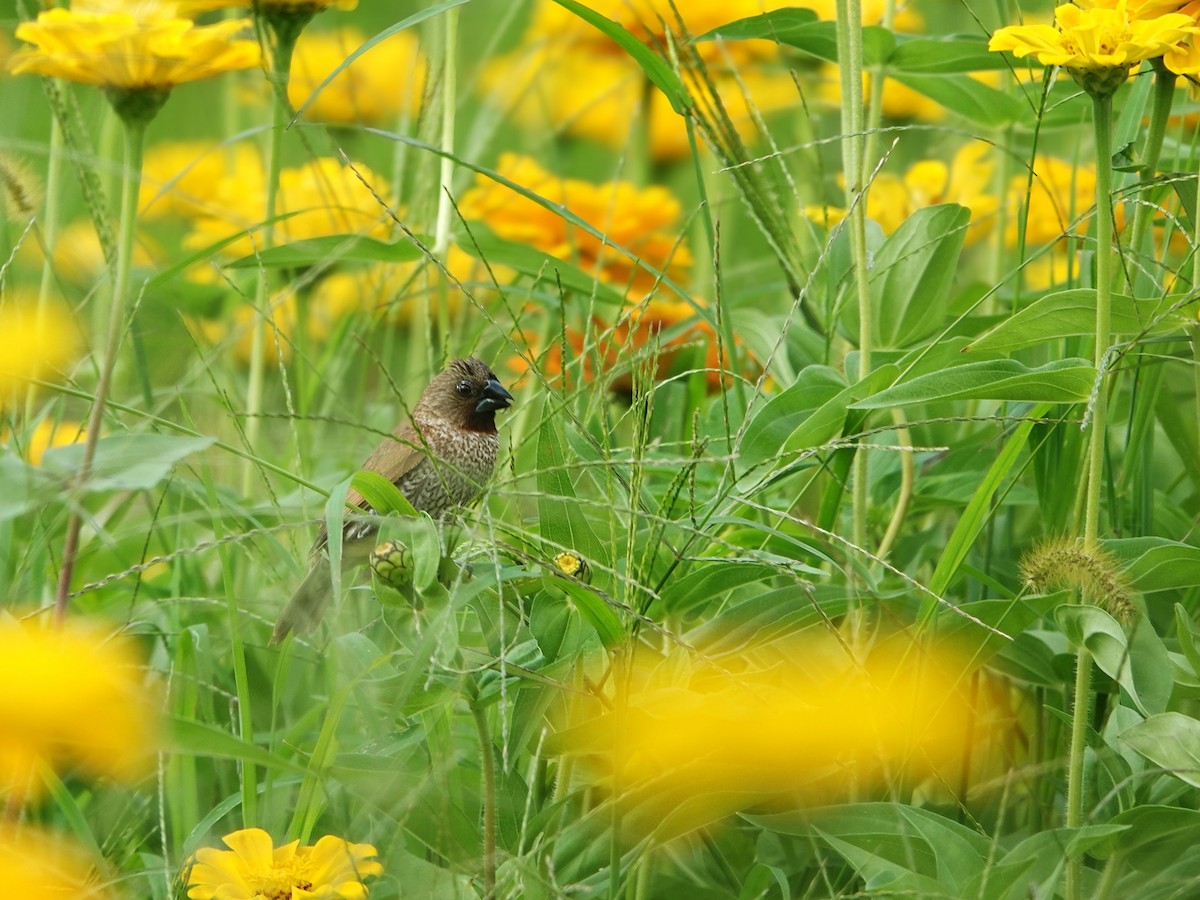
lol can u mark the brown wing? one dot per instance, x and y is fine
(393, 459)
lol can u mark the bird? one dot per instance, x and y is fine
(440, 460)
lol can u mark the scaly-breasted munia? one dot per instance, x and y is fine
(440, 460)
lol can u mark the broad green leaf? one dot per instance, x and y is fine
(761, 619)
(1188, 635)
(966, 97)
(1061, 381)
(561, 520)
(1141, 665)
(1153, 836)
(381, 494)
(944, 56)
(783, 413)
(536, 264)
(1033, 868)
(1072, 313)
(549, 619)
(199, 739)
(126, 462)
(711, 582)
(777, 25)
(795, 28)
(655, 67)
(833, 419)
(16, 487)
(593, 607)
(1158, 564)
(1170, 740)
(348, 248)
(912, 274)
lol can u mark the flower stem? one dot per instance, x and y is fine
(850, 54)
(1102, 120)
(487, 764)
(131, 179)
(449, 106)
(1160, 112)
(281, 67)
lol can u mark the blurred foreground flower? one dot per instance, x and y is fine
(47, 434)
(792, 721)
(643, 222)
(36, 344)
(179, 178)
(35, 865)
(254, 869)
(74, 698)
(320, 198)
(385, 82)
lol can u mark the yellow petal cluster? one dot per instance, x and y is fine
(151, 50)
(320, 198)
(253, 868)
(1107, 35)
(195, 7)
(1061, 195)
(37, 343)
(74, 698)
(385, 82)
(568, 76)
(36, 865)
(643, 222)
(179, 177)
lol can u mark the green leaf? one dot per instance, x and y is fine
(1072, 313)
(1154, 836)
(655, 67)
(980, 509)
(341, 248)
(944, 56)
(775, 421)
(1170, 740)
(1141, 665)
(593, 608)
(967, 97)
(795, 28)
(549, 619)
(125, 462)
(912, 275)
(536, 264)
(1061, 381)
(1157, 564)
(381, 494)
(198, 739)
(711, 582)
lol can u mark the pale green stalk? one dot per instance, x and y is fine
(875, 110)
(850, 50)
(1160, 113)
(1102, 120)
(49, 235)
(281, 67)
(441, 240)
(131, 180)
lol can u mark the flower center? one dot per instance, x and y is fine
(277, 883)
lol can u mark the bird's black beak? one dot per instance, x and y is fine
(494, 397)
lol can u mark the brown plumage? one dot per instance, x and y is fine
(440, 460)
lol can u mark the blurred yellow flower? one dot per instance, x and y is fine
(235, 330)
(46, 434)
(36, 344)
(78, 256)
(643, 222)
(569, 76)
(195, 7)
(178, 176)
(905, 18)
(37, 865)
(119, 50)
(255, 869)
(320, 198)
(383, 83)
(798, 719)
(74, 698)
(1061, 195)
(1104, 36)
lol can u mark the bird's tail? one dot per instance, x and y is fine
(304, 610)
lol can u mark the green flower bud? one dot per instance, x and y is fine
(392, 563)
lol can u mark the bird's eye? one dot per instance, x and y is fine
(464, 389)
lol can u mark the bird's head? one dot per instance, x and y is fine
(467, 393)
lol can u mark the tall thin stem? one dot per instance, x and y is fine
(1160, 113)
(1102, 120)
(449, 107)
(131, 180)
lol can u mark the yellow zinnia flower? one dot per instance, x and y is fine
(179, 177)
(387, 80)
(36, 865)
(195, 7)
(254, 868)
(1061, 194)
(642, 221)
(1098, 39)
(46, 434)
(324, 197)
(119, 50)
(73, 699)
(36, 344)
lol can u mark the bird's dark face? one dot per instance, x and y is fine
(471, 394)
